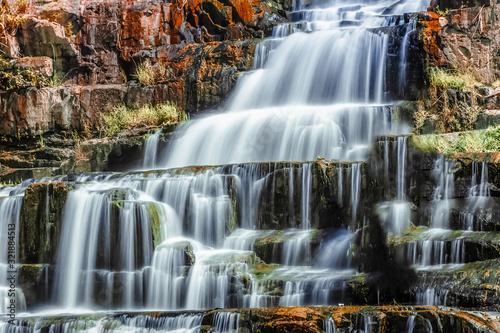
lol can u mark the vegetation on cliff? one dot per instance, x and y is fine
(123, 117)
(149, 74)
(451, 79)
(13, 77)
(465, 142)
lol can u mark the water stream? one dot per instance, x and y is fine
(186, 238)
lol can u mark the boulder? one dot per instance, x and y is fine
(40, 65)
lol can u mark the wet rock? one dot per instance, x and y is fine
(36, 282)
(64, 153)
(468, 40)
(475, 285)
(41, 222)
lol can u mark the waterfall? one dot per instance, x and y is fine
(329, 326)
(405, 45)
(296, 248)
(410, 324)
(10, 209)
(337, 251)
(317, 89)
(89, 256)
(226, 322)
(478, 198)
(241, 182)
(431, 296)
(443, 173)
(294, 133)
(355, 191)
(139, 323)
(151, 150)
(436, 247)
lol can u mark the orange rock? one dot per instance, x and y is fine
(430, 33)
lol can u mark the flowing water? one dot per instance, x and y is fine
(186, 237)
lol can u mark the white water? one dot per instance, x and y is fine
(293, 133)
(431, 296)
(151, 151)
(315, 94)
(410, 324)
(226, 322)
(10, 209)
(436, 247)
(297, 248)
(478, 199)
(329, 326)
(444, 175)
(395, 211)
(139, 323)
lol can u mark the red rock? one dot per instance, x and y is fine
(41, 65)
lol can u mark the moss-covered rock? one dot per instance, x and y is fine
(36, 282)
(41, 222)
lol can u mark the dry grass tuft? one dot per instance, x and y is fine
(123, 117)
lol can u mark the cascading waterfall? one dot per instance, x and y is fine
(151, 150)
(431, 296)
(410, 30)
(355, 190)
(437, 247)
(396, 214)
(188, 323)
(10, 209)
(184, 239)
(478, 198)
(296, 249)
(443, 173)
(87, 239)
(226, 322)
(329, 326)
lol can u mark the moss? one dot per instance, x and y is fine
(269, 240)
(469, 142)
(262, 269)
(12, 77)
(122, 117)
(110, 324)
(154, 218)
(451, 79)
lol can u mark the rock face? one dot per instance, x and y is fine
(66, 153)
(96, 39)
(468, 38)
(205, 74)
(41, 222)
(95, 47)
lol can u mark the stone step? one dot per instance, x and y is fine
(472, 285)
(424, 247)
(375, 319)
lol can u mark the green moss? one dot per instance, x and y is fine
(485, 141)
(442, 12)
(154, 218)
(262, 270)
(273, 239)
